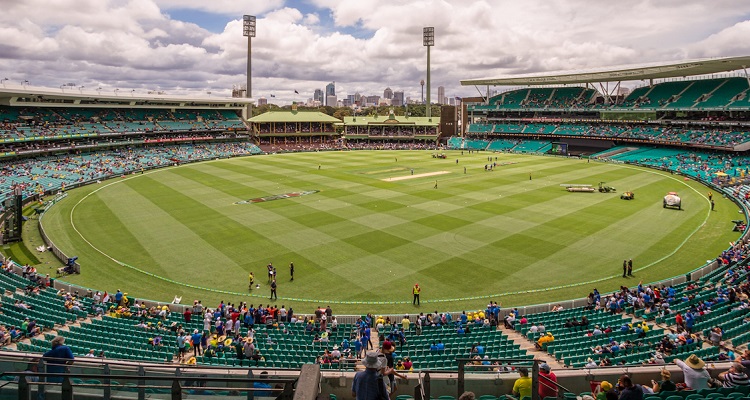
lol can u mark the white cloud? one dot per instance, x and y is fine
(226, 7)
(135, 43)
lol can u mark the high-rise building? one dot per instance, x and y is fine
(441, 95)
(388, 93)
(262, 101)
(331, 101)
(318, 96)
(372, 100)
(351, 99)
(398, 99)
(331, 91)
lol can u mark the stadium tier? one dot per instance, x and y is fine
(697, 95)
(50, 174)
(629, 327)
(25, 123)
(715, 137)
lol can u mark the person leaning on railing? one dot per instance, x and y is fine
(58, 359)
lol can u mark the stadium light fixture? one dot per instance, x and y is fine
(116, 90)
(428, 40)
(24, 83)
(131, 92)
(4, 80)
(248, 30)
(62, 87)
(80, 88)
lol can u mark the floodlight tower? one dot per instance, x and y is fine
(428, 40)
(248, 30)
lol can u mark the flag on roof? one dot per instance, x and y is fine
(296, 92)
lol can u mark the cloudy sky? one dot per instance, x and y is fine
(192, 47)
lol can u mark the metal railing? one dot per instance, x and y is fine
(104, 379)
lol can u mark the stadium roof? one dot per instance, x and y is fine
(632, 72)
(293, 116)
(391, 120)
(71, 96)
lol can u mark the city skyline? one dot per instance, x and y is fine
(190, 47)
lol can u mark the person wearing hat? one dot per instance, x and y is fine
(248, 349)
(547, 382)
(665, 384)
(734, 377)
(196, 340)
(696, 376)
(369, 384)
(606, 392)
(336, 353)
(544, 341)
(58, 358)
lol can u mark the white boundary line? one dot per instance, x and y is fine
(643, 169)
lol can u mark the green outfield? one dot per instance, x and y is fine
(370, 230)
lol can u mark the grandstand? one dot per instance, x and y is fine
(50, 141)
(50, 147)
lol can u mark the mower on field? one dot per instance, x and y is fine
(606, 189)
(627, 196)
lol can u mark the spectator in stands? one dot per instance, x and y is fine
(715, 336)
(665, 384)
(544, 341)
(694, 370)
(606, 392)
(58, 358)
(368, 384)
(734, 377)
(547, 382)
(629, 390)
(262, 387)
(522, 385)
(196, 340)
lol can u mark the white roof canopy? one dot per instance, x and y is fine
(623, 73)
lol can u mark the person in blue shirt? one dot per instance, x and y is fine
(433, 347)
(463, 317)
(58, 359)
(263, 384)
(196, 338)
(440, 346)
(363, 342)
(118, 297)
(369, 384)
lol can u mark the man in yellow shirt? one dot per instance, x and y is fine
(405, 323)
(416, 290)
(522, 386)
(544, 340)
